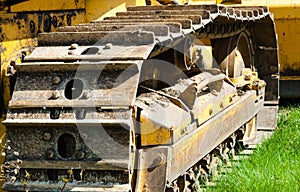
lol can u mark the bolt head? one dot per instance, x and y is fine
(55, 95)
(56, 80)
(108, 46)
(50, 154)
(47, 136)
(74, 46)
(80, 155)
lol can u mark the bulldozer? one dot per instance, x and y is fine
(133, 95)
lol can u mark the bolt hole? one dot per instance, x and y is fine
(54, 113)
(73, 89)
(66, 145)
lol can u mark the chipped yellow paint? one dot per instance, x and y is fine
(22, 22)
(287, 21)
(38, 5)
(19, 25)
(154, 134)
(13, 51)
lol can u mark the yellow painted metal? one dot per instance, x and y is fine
(160, 129)
(13, 53)
(100, 9)
(229, 1)
(38, 5)
(22, 22)
(18, 34)
(154, 134)
(19, 25)
(287, 21)
(155, 2)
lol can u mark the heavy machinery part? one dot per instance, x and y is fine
(21, 22)
(234, 54)
(109, 110)
(286, 18)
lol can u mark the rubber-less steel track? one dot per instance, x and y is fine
(166, 25)
(60, 99)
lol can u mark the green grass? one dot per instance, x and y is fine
(275, 165)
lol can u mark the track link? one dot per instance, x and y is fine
(133, 41)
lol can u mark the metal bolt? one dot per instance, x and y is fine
(210, 111)
(108, 46)
(47, 136)
(159, 160)
(55, 95)
(10, 70)
(221, 105)
(50, 154)
(80, 155)
(146, 188)
(73, 46)
(248, 77)
(56, 80)
(86, 95)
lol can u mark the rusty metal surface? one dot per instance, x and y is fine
(246, 12)
(20, 25)
(100, 38)
(212, 8)
(88, 53)
(152, 169)
(174, 27)
(81, 97)
(114, 143)
(103, 87)
(113, 165)
(201, 141)
(196, 19)
(69, 187)
(267, 118)
(158, 30)
(205, 14)
(66, 128)
(185, 23)
(186, 101)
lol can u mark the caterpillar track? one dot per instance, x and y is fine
(140, 101)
